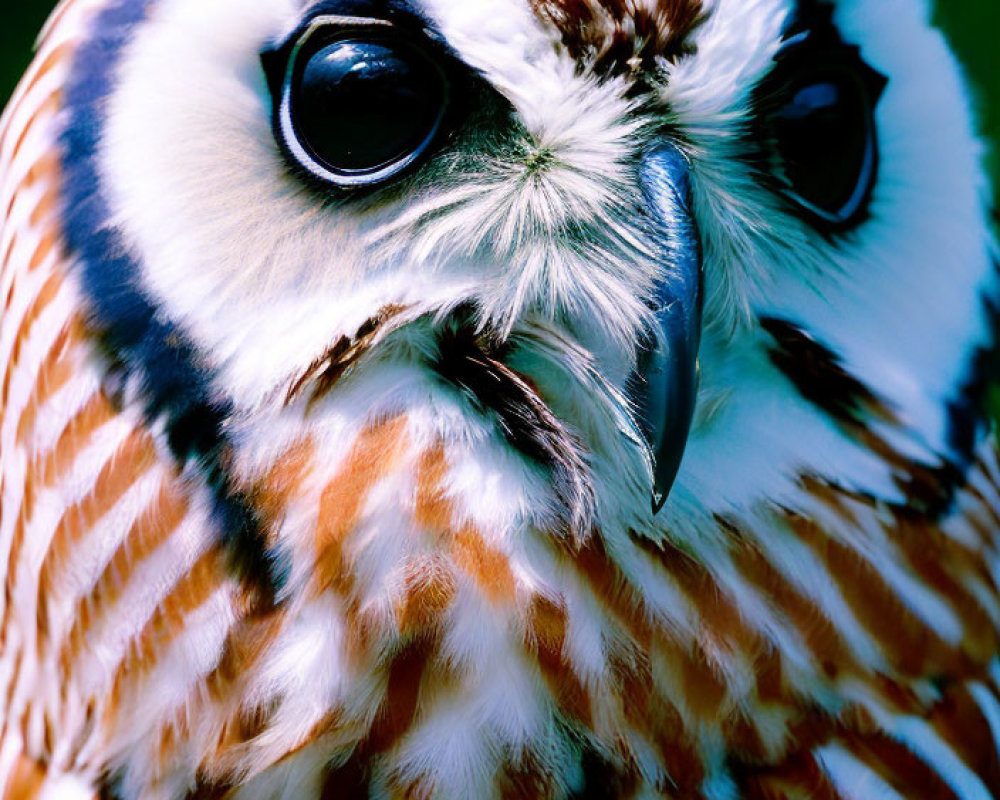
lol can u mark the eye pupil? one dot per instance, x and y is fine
(361, 109)
(825, 136)
(817, 121)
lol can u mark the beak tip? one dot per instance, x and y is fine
(671, 365)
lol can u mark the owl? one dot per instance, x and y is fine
(496, 400)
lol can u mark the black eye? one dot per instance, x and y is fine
(358, 107)
(819, 123)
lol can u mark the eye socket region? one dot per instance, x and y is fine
(820, 129)
(357, 105)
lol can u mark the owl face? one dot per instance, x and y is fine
(780, 192)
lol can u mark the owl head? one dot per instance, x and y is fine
(732, 231)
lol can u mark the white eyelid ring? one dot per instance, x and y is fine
(344, 26)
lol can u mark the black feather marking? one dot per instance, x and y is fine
(139, 344)
(819, 375)
(969, 412)
(601, 780)
(474, 363)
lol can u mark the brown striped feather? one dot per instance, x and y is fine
(149, 531)
(832, 654)
(131, 461)
(46, 470)
(53, 465)
(797, 778)
(25, 780)
(899, 766)
(546, 636)
(905, 640)
(41, 300)
(56, 371)
(487, 566)
(462, 548)
(283, 481)
(376, 451)
(960, 722)
(430, 589)
(167, 622)
(245, 646)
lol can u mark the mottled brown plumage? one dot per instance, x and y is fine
(622, 36)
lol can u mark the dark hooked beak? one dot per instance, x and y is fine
(666, 386)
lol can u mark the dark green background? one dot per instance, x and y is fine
(974, 26)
